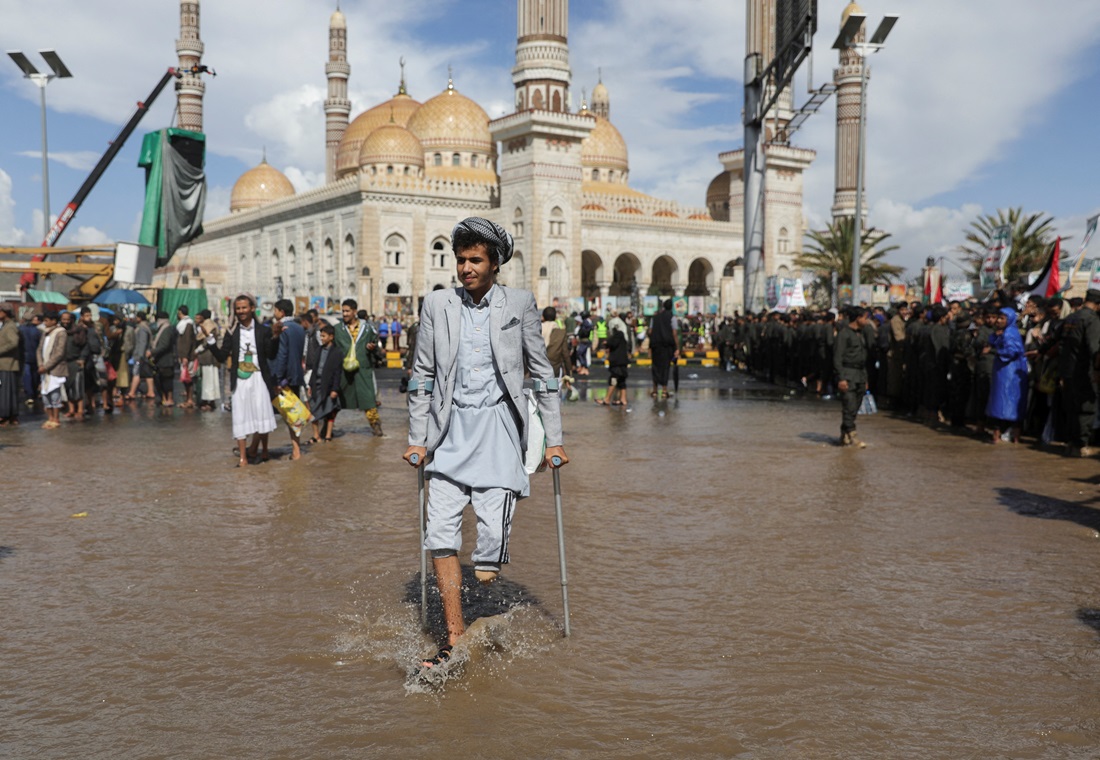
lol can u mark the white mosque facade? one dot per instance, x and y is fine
(403, 172)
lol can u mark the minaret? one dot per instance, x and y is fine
(541, 74)
(847, 79)
(337, 105)
(189, 87)
(540, 162)
(601, 99)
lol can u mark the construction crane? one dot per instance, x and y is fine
(38, 254)
(95, 267)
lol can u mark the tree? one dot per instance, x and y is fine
(830, 250)
(1032, 236)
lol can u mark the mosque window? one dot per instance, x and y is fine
(437, 159)
(595, 175)
(473, 161)
(557, 222)
(611, 176)
(536, 100)
(389, 170)
(557, 101)
(395, 250)
(393, 288)
(456, 160)
(439, 254)
(330, 255)
(784, 243)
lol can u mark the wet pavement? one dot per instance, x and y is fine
(739, 587)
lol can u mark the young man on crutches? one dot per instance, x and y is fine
(468, 411)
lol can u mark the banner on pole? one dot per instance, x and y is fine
(1090, 230)
(1094, 281)
(993, 267)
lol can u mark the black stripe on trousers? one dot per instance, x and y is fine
(506, 526)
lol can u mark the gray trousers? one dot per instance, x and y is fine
(493, 508)
(850, 401)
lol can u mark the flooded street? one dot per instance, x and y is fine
(740, 587)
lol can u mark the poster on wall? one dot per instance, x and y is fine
(650, 305)
(680, 306)
(958, 290)
(844, 294)
(318, 303)
(696, 304)
(624, 304)
(301, 305)
(865, 293)
(712, 305)
(771, 291)
(397, 306)
(897, 293)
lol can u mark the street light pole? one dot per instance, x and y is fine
(60, 71)
(847, 40)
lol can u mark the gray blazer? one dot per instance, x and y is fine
(515, 335)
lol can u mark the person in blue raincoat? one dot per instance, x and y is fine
(1008, 392)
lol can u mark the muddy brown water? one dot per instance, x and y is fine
(739, 588)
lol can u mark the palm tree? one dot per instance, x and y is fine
(1032, 236)
(830, 250)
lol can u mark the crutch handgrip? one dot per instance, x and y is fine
(556, 461)
(414, 459)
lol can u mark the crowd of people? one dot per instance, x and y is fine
(70, 365)
(1004, 367)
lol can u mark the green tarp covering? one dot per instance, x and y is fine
(175, 189)
(48, 296)
(171, 299)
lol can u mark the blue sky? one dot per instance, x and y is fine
(972, 106)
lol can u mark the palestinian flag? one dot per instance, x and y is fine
(1049, 281)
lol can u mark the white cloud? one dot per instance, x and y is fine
(87, 236)
(83, 160)
(9, 233)
(304, 180)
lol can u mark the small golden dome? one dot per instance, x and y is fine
(701, 217)
(259, 185)
(719, 189)
(853, 7)
(391, 144)
(630, 210)
(592, 207)
(337, 21)
(451, 121)
(399, 109)
(604, 147)
(666, 213)
(599, 93)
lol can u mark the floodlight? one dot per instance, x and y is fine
(883, 30)
(849, 31)
(59, 68)
(23, 62)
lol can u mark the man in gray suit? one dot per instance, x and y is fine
(467, 410)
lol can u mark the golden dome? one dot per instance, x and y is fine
(667, 214)
(451, 121)
(853, 7)
(337, 21)
(719, 189)
(399, 109)
(630, 210)
(259, 185)
(391, 144)
(701, 217)
(592, 207)
(604, 147)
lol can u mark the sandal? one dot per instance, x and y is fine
(441, 657)
(314, 439)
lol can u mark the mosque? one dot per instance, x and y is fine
(403, 172)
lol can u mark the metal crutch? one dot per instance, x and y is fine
(415, 460)
(556, 461)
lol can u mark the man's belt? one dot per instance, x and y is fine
(421, 386)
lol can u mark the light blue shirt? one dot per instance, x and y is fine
(482, 448)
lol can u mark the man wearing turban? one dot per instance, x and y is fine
(468, 414)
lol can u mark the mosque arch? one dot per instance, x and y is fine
(275, 263)
(349, 262)
(257, 272)
(557, 270)
(393, 289)
(700, 278)
(592, 273)
(557, 222)
(311, 267)
(624, 275)
(330, 255)
(514, 274)
(664, 276)
(557, 101)
(732, 264)
(517, 222)
(536, 100)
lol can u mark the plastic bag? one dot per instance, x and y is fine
(535, 458)
(351, 361)
(292, 409)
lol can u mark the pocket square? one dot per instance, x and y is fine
(513, 323)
